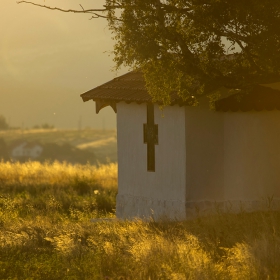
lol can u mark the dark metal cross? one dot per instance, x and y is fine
(150, 137)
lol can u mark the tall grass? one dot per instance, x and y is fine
(56, 174)
(33, 186)
(51, 241)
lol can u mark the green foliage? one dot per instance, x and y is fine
(182, 45)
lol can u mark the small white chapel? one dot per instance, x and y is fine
(188, 159)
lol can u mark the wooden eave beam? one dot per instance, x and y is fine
(100, 104)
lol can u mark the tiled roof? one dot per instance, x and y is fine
(259, 99)
(129, 88)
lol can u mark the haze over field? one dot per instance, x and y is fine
(47, 59)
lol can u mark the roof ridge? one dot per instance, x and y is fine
(115, 79)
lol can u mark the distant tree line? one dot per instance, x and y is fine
(44, 126)
(4, 125)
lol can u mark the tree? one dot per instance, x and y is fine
(47, 126)
(194, 47)
(3, 123)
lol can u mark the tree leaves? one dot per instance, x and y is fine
(207, 44)
(196, 46)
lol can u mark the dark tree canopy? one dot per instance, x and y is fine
(195, 46)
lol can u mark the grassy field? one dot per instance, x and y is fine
(102, 143)
(46, 233)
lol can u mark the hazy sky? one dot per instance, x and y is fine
(47, 59)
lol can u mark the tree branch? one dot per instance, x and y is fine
(94, 12)
(89, 11)
(95, 15)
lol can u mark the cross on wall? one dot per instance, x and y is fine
(150, 137)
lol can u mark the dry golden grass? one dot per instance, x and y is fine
(75, 190)
(56, 174)
(46, 233)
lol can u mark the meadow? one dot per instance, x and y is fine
(57, 221)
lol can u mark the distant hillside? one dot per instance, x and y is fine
(74, 146)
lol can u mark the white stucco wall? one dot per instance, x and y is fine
(232, 159)
(142, 193)
(252, 155)
(204, 157)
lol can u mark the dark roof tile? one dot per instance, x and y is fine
(129, 88)
(258, 99)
